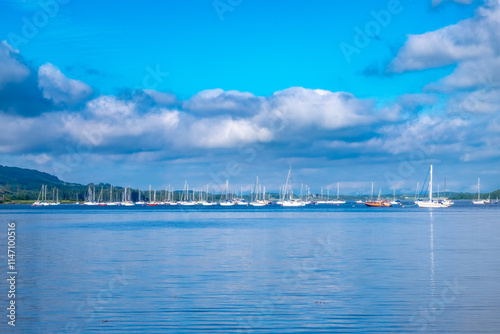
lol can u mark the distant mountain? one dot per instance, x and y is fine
(29, 179)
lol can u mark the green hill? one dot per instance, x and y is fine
(27, 179)
(24, 184)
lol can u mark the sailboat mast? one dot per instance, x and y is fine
(430, 187)
(478, 189)
(338, 191)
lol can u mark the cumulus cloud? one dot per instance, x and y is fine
(479, 101)
(57, 87)
(12, 68)
(301, 107)
(473, 39)
(413, 102)
(218, 101)
(161, 98)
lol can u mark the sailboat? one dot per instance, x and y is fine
(338, 200)
(140, 202)
(480, 201)
(241, 201)
(206, 202)
(322, 200)
(259, 200)
(126, 198)
(185, 200)
(152, 200)
(432, 203)
(111, 202)
(379, 203)
(290, 202)
(42, 197)
(89, 200)
(227, 202)
(394, 200)
(100, 200)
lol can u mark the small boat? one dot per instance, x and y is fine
(140, 202)
(258, 197)
(42, 197)
(338, 200)
(431, 203)
(378, 203)
(480, 201)
(293, 203)
(228, 201)
(394, 200)
(126, 198)
(360, 201)
(382, 203)
(90, 198)
(290, 202)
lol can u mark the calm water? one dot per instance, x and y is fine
(255, 270)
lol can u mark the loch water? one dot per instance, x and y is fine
(317, 269)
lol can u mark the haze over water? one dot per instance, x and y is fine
(317, 269)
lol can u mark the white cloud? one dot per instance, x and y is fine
(479, 101)
(161, 98)
(226, 132)
(473, 39)
(217, 101)
(60, 89)
(110, 106)
(426, 134)
(11, 69)
(438, 2)
(300, 107)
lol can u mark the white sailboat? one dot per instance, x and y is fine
(241, 201)
(140, 202)
(394, 200)
(185, 200)
(126, 198)
(322, 200)
(480, 201)
(206, 202)
(338, 200)
(55, 199)
(89, 200)
(228, 201)
(42, 197)
(258, 200)
(290, 202)
(432, 203)
(111, 202)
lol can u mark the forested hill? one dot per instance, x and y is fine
(28, 179)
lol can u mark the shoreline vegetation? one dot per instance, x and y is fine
(22, 186)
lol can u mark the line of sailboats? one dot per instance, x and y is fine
(258, 197)
(42, 197)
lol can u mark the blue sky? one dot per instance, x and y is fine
(154, 93)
